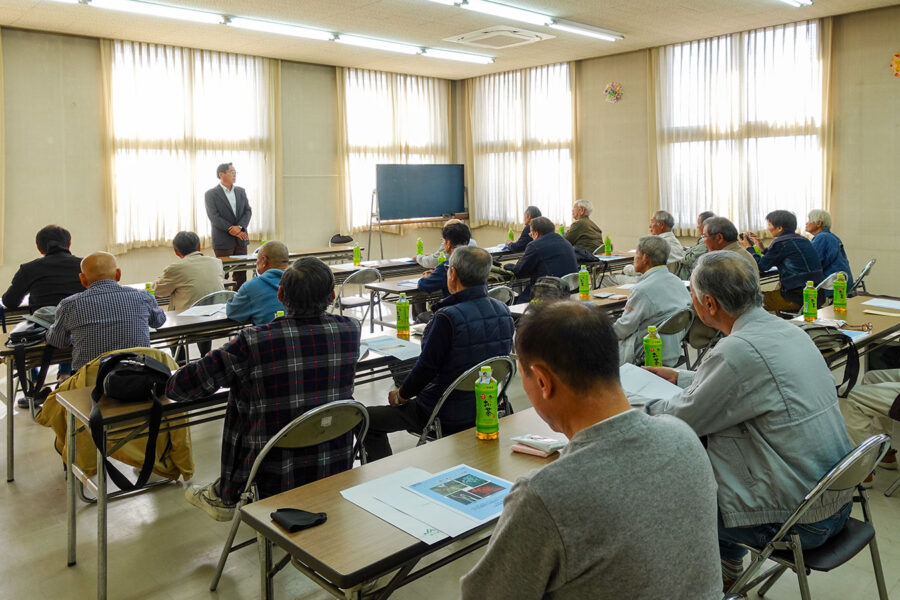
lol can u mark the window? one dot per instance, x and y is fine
(175, 114)
(390, 118)
(521, 125)
(739, 125)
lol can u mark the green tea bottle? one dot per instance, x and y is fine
(357, 255)
(810, 302)
(840, 294)
(403, 317)
(584, 283)
(607, 246)
(442, 257)
(487, 424)
(420, 247)
(652, 348)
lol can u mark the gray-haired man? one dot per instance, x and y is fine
(658, 294)
(766, 401)
(584, 233)
(661, 224)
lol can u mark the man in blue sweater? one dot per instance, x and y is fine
(468, 327)
(257, 300)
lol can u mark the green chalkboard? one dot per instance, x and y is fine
(419, 191)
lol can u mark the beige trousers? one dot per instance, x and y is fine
(866, 408)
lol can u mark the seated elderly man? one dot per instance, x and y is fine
(661, 224)
(276, 372)
(766, 401)
(584, 233)
(455, 235)
(622, 499)
(721, 234)
(657, 295)
(548, 254)
(867, 411)
(468, 327)
(524, 239)
(106, 316)
(257, 300)
(430, 261)
(828, 246)
(697, 250)
(794, 256)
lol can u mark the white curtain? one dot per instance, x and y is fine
(520, 129)
(173, 115)
(741, 125)
(2, 154)
(387, 118)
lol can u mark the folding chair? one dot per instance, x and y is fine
(674, 324)
(217, 297)
(571, 282)
(894, 413)
(503, 293)
(359, 279)
(859, 282)
(317, 426)
(502, 369)
(785, 548)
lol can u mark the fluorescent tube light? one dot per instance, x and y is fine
(159, 10)
(460, 56)
(507, 12)
(355, 40)
(798, 3)
(68, 1)
(587, 30)
(279, 28)
(448, 2)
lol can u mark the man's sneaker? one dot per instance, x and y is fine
(868, 482)
(205, 498)
(23, 402)
(889, 461)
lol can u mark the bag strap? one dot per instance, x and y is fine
(154, 421)
(33, 389)
(851, 369)
(3, 318)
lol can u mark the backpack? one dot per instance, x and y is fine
(130, 377)
(549, 288)
(829, 338)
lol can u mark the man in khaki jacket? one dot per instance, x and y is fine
(192, 277)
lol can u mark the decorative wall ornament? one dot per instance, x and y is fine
(895, 65)
(613, 92)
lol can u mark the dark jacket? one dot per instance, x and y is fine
(221, 217)
(520, 244)
(550, 254)
(47, 280)
(795, 258)
(831, 254)
(467, 328)
(436, 281)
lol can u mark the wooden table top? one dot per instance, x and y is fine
(354, 545)
(611, 302)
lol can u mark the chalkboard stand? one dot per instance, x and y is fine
(374, 219)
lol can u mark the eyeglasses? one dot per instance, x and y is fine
(231, 172)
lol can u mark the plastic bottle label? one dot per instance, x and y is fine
(840, 295)
(607, 246)
(652, 351)
(357, 257)
(510, 235)
(420, 247)
(403, 318)
(810, 309)
(584, 284)
(486, 421)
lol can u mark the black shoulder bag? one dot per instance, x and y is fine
(32, 331)
(830, 339)
(130, 377)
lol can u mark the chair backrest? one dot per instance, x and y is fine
(571, 282)
(362, 277)
(847, 474)
(828, 282)
(601, 249)
(317, 426)
(219, 297)
(503, 293)
(862, 275)
(676, 323)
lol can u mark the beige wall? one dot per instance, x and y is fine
(866, 109)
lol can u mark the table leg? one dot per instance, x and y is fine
(264, 546)
(101, 526)
(372, 311)
(10, 402)
(71, 426)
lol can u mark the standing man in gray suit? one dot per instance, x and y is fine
(229, 213)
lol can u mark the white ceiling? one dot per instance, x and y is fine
(645, 23)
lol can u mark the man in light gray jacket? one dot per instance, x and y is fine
(627, 511)
(766, 401)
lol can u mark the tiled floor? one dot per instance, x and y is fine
(161, 547)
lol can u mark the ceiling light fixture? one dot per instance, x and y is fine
(506, 11)
(279, 28)
(364, 42)
(798, 3)
(479, 59)
(586, 30)
(159, 10)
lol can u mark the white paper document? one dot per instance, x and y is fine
(883, 303)
(604, 258)
(363, 495)
(409, 283)
(207, 310)
(640, 382)
(627, 286)
(401, 349)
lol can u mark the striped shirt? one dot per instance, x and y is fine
(276, 372)
(104, 317)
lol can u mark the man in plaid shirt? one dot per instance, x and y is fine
(275, 373)
(106, 316)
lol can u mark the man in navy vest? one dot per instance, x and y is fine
(468, 327)
(549, 254)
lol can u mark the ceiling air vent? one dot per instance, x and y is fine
(500, 36)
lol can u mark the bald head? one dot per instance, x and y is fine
(272, 255)
(99, 266)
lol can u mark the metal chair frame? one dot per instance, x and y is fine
(847, 474)
(860, 279)
(570, 281)
(314, 427)
(466, 383)
(359, 279)
(217, 297)
(503, 293)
